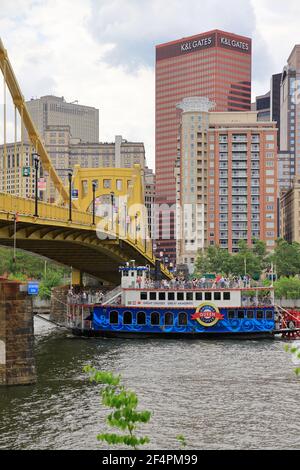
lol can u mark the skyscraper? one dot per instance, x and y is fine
(289, 158)
(229, 192)
(215, 64)
(52, 110)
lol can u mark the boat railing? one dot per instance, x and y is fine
(247, 286)
(79, 316)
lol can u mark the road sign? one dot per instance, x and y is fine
(42, 184)
(33, 288)
(26, 171)
(74, 193)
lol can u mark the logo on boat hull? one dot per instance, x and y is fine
(207, 315)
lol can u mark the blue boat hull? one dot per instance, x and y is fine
(230, 323)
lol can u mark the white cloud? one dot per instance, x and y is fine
(101, 52)
(55, 53)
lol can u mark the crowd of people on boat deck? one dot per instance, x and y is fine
(220, 282)
(88, 296)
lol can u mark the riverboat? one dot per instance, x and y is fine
(144, 308)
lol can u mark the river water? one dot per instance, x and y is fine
(218, 394)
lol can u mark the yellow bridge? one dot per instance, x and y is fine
(97, 244)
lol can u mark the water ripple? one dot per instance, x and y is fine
(218, 394)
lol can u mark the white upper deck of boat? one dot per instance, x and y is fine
(139, 290)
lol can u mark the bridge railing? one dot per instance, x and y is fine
(11, 204)
(47, 211)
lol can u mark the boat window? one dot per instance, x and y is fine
(207, 295)
(113, 318)
(250, 314)
(231, 314)
(217, 295)
(144, 295)
(171, 295)
(127, 318)
(189, 296)
(169, 320)
(125, 273)
(241, 314)
(132, 274)
(198, 295)
(269, 315)
(182, 319)
(154, 318)
(180, 296)
(152, 295)
(141, 318)
(226, 296)
(259, 314)
(162, 296)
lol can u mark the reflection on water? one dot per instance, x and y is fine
(218, 394)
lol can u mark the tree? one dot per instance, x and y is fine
(49, 280)
(124, 416)
(287, 288)
(213, 260)
(246, 261)
(27, 265)
(202, 264)
(286, 258)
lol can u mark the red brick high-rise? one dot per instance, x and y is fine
(216, 65)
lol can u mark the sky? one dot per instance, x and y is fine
(102, 52)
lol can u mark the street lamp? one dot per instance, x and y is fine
(94, 186)
(125, 218)
(36, 160)
(70, 195)
(136, 217)
(112, 197)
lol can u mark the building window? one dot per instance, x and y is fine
(162, 296)
(182, 319)
(231, 314)
(106, 184)
(127, 318)
(154, 318)
(169, 319)
(113, 318)
(141, 318)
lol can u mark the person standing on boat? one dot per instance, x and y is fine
(84, 297)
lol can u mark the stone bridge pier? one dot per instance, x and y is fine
(17, 365)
